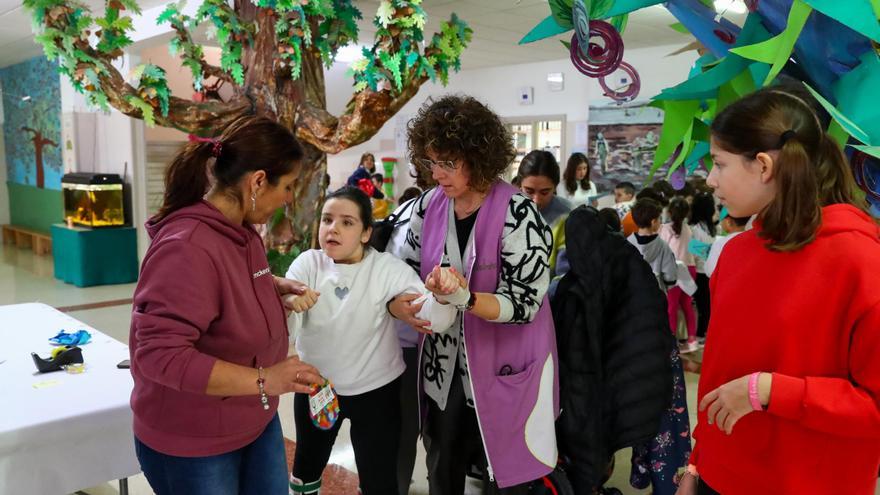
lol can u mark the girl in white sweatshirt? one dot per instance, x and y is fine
(345, 330)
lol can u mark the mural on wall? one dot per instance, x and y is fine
(32, 123)
(622, 144)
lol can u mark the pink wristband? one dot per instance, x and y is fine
(753, 392)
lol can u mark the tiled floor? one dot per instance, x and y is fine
(28, 278)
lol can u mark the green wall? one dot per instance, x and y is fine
(34, 208)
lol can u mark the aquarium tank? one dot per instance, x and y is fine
(93, 200)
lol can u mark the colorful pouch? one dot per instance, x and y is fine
(323, 405)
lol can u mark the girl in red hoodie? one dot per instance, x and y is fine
(208, 337)
(790, 382)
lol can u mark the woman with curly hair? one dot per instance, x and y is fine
(491, 385)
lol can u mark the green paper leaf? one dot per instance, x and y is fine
(678, 121)
(627, 6)
(545, 29)
(777, 50)
(851, 127)
(146, 109)
(856, 96)
(679, 27)
(871, 150)
(838, 133)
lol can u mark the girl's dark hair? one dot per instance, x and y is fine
(569, 178)
(409, 193)
(538, 162)
(461, 127)
(679, 209)
(248, 144)
(364, 158)
(650, 192)
(359, 198)
(810, 170)
(645, 211)
(686, 190)
(611, 219)
(664, 188)
(703, 212)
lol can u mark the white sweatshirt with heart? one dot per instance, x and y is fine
(349, 334)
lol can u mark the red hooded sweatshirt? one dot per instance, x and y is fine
(205, 293)
(812, 318)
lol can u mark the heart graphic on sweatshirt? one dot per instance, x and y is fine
(341, 292)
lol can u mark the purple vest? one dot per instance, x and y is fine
(516, 411)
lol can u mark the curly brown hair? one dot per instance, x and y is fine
(461, 127)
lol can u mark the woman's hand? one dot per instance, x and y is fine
(302, 302)
(291, 375)
(687, 485)
(287, 286)
(727, 404)
(443, 281)
(402, 308)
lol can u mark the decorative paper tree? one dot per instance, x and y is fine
(273, 55)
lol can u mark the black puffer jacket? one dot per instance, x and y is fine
(614, 343)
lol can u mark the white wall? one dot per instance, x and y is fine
(107, 143)
(499, 88)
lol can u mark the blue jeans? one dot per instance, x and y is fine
(259, 468)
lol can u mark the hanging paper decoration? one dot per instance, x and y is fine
(597, 59)
(631, 84)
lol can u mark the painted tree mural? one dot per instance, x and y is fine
(273, 56)
(39, 142)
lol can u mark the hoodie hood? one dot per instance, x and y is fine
(205, 213)
(844, 218)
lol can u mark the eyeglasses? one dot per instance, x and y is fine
(428, 164)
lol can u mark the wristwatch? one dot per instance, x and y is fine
(472, 300)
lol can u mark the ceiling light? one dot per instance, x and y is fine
(349, 53)
(731, 6)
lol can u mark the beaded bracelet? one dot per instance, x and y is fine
(754, 399)
(261, 382)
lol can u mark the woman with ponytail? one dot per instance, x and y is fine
(790, 381)
(208, 337)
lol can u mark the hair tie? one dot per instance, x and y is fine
(216, 145)
(786, 136)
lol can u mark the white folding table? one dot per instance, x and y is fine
(61, 432)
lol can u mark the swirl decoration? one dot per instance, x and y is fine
(600, 59)
(864, 178)
(627, 92)
(581, 20)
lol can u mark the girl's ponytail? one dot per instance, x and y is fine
(791, 220)
(835, 179)
(186, 179)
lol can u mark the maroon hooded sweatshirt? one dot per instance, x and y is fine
(205, 293)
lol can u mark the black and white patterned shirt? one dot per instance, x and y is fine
(526, 241)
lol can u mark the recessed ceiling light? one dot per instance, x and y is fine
(731, 6)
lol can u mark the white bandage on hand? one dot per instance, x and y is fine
(459, 298)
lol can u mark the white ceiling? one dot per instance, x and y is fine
(498, 25)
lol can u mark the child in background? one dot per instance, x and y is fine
(624, 198)
(646, 213)
(677, 234)
(576, 186)
(702, 222)
(732, 226)
(344, 325)
(381, 206)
